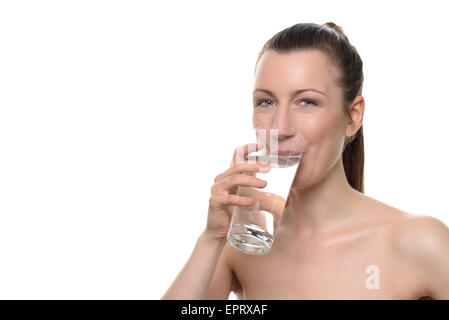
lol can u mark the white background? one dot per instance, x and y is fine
(116, 116)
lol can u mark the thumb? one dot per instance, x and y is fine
(269, 202)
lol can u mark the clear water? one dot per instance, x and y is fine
(277, 161)
(251, 238)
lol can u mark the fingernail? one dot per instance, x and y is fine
(265, 168)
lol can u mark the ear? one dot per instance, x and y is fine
(356, 111)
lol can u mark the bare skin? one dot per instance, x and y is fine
(332, 242)
(332, 233)
(332, 264)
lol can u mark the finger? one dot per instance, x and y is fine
(236, 180)
(265, 203)
(222, 200)
(245, 168)
(269, 202)
(250, 170)
(248, 167)
(242, 152)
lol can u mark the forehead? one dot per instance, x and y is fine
(295, 70)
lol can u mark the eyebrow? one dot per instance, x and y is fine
(294, 93)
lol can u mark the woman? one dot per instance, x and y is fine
(336, 243)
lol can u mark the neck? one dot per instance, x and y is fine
(318, 208)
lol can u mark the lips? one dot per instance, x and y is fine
(287, 153)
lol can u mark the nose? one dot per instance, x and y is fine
(282, 134)
(282, 122)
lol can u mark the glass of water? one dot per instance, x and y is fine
(252, 228)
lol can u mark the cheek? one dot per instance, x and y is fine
(323, 139)
(262, 120)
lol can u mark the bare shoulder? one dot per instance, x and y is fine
(419, 236)
(407, 227)
(422, 242)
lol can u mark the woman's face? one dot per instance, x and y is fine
(315, 114)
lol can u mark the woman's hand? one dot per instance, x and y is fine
(223, 192)
(268, 202)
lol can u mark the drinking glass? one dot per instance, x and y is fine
(252, 228)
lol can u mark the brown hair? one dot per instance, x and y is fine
(330, 39)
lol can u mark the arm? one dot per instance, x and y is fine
(223, 280)
(424, 242)
(194, 279)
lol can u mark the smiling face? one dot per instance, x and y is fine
(297, 93)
